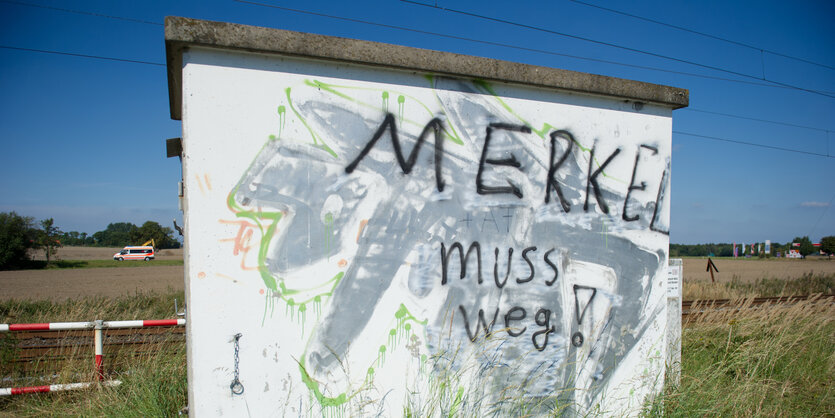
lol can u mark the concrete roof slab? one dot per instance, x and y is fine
(181, 33)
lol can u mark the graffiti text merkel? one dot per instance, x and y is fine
(557, 159)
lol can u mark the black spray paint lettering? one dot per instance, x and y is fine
(662, 193)
(551, 184)
(496, 268)
(475, 248)
(389, 124)
(517, 313)
(512, 162)
(511, 316)
(542, 318)
(592, 181)
(553, 266)
(577, 338)
(632, 185)
(530, 265)
(488, 329)
(580, 314)
(552, 168)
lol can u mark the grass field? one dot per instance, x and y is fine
(778, 361)
(86, 264)
(100, 253)
(755, 277)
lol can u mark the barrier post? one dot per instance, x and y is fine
(99, 350)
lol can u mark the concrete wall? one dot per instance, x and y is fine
(387, 240)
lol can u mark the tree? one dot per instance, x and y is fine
(16, 238)
(115, 235)
(163, 236)
(806, 246)
(828, 244)
(48, 238)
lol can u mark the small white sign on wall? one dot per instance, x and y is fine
(674, 281)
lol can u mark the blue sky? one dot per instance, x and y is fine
(83, 139)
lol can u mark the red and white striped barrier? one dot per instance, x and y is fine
(53, 326)
(55, 388)
(47, 326)
(97, 327)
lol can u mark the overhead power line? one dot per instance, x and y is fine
(81, 12)
(707, 35)
(503, 45)
(98, 57)
(692, 109)
(613, 45)
(753, 144)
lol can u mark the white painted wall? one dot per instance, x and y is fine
(334, 278)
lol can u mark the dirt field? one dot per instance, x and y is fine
(111, 282)
(61, 284)
(752, 269)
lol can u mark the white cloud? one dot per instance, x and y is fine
(814, 204)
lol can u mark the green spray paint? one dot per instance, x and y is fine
(317, 305)
(293, 307)
(403, 329)
(281, 117)
(302, 315)
(393, 336)
(318, 142)
(327, 288)
(381, 356)
(459, 397)
(369, 376)
(259, 218)
(289, 308)
(385, 102)
(313, 386)
(334, 89)
(267, 303)
(401, 107)
(404, 315)
(452, 134)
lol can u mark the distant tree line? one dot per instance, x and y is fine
(19, 234)
(727, 250)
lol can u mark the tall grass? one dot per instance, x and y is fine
(771, 361)
(82, 264)
(474, 381)
(139, 305)
(153, 385)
